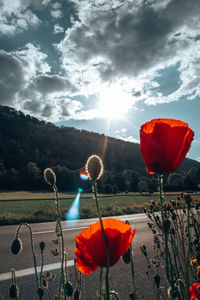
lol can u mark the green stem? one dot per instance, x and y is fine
(41, 270)
(187, 277)
(166, 249)
(62, 278)
(133, 273)
(32, 248)
(105, 239)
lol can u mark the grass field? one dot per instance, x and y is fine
(16, 207)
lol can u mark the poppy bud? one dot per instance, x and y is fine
(127, 256)
(40, 292)
(188, 199)
(49, 176)
(69, 288)
(16, 246)
(94, 167)
(42, 246)
(132, 296)
(166, 226)
(157, 280)
(14, 291)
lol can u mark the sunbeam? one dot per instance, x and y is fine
(73, 212)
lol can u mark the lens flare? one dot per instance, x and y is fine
(83, 175)
(73, 212)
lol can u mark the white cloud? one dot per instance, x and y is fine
(58, 29)
(16, 17)
(56, 11)
(130, 139)
(25, 83)
(133, 40)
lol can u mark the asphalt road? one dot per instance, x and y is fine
(120, 274)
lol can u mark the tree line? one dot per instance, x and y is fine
(28, 146)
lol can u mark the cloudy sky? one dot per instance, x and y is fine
(104, 66)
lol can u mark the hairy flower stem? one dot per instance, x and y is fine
(41, 270)
(32, 248)
(187, 275)
(133, 273)
(62, 278)
(166, 249)
(94, 188)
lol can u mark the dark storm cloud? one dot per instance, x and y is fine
(133, 38)
(47, 84)
(11, 78)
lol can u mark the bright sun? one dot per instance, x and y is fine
(114, 103)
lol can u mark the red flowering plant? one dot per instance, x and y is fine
(164, 144)
(195, 291)
(90, 246)
(103, 243)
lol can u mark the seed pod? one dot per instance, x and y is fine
(42, 246)
(14, 291)
(187, 199)
(127, 256)
(166, 225)
(16, 246)
(40, 292)
(94, 167)
(132, 296)
(49, 176)
(157, 280)
(69, 288)
(76, 294)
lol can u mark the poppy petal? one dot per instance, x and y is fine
(90, 245)
(164, 144)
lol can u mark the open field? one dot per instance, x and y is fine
(22, 206)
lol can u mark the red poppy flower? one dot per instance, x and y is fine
(90, 245)
(164, 144)
(194, 291)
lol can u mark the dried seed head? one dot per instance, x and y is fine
(69, 288)
(16, 246)
(55, 252)
(42, 246)
(57, 229)
(49, 176)
(45, 283)
(94, 167)
(14, 291)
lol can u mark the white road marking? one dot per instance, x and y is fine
(31, 271)
(136, 218)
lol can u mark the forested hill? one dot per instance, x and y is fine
(25, 139)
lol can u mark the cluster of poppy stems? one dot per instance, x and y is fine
(164, 144)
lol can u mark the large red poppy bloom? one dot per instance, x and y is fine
(194, 291)
(164, 144)
(90, 245)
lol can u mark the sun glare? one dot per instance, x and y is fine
(114, 103)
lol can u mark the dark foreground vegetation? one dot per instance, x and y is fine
(28, 146)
